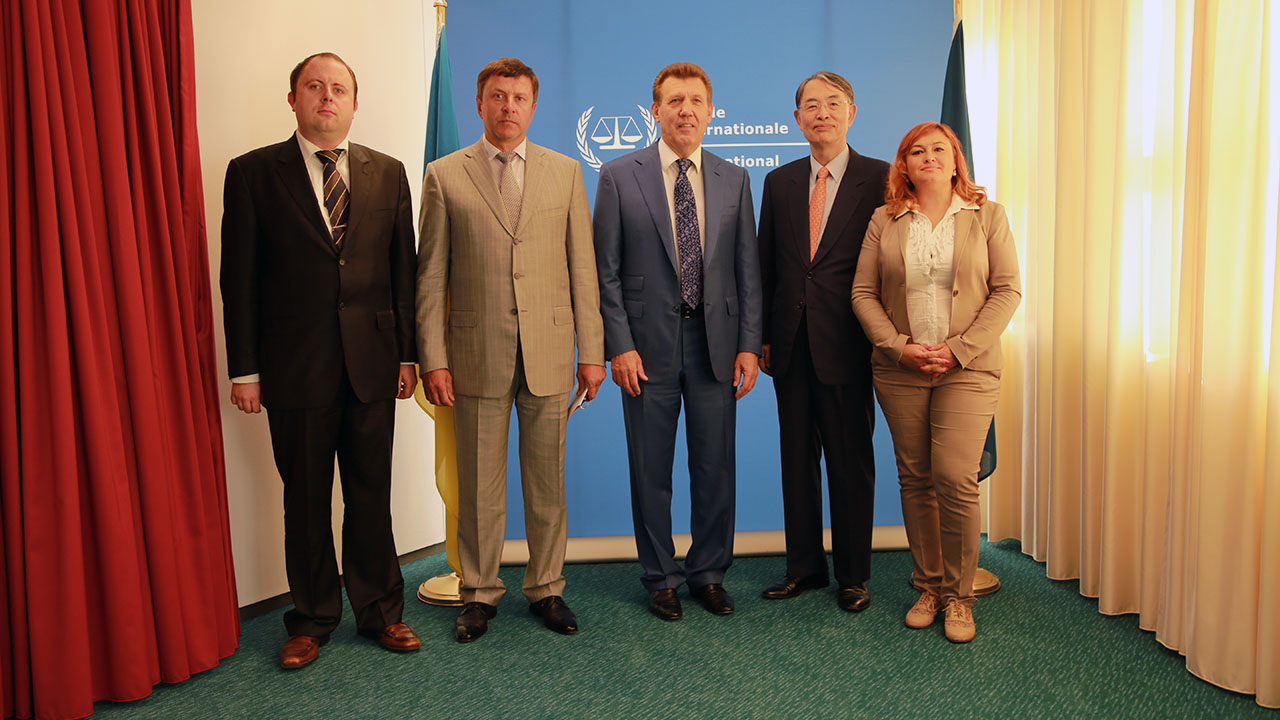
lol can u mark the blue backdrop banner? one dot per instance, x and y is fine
(596, 62)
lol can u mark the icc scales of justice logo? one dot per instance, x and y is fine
(613, 132)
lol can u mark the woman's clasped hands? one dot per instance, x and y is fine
(931, 360)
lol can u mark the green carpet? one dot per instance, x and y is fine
(1042, 651)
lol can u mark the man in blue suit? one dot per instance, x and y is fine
(681, 298)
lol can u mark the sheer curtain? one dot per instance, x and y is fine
(1136, 144)
(115, 555)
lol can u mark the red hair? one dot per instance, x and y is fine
(901, 193)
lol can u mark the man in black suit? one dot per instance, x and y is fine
(318, 269)
(812, 220)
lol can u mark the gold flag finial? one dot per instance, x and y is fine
(441, 6)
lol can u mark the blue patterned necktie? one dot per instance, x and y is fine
(688, 241)
(336, 199)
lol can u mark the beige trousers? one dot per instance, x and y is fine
(482, 426)
(939, 427)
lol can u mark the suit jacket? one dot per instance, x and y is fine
(985, 287)
(818, 290)
(300, 311)
(482, 283)
(636, 257)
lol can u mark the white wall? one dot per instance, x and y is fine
(244, 52)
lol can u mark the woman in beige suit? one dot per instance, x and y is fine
(936, 284)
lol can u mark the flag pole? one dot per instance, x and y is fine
(443, 589)
(955, 112)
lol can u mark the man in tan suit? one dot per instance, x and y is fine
(506, 279)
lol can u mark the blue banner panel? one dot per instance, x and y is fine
(596, 62)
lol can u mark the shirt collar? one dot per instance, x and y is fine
(491, 151)
(837, 167)
(957, 204)
(669, 156)
(309, 149)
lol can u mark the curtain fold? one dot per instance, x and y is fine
(1136, 144)
(117, 559)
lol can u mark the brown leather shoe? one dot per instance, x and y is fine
(300, 651)
(399, 637)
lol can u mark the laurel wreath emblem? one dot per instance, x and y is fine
(584, 121)
(649, 124)
(583, 148)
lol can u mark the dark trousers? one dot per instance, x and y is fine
(304, 443)
(835, 420)
(710, 417)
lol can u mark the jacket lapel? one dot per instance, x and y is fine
(797, 189)
(847, 195)
(481, 174)
(294, 176)
(713, 193)
(649, 177)
(361, 177)
(536, 181)
(964, 226)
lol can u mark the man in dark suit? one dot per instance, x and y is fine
(318, 269)
(680, 295)
(813, 217)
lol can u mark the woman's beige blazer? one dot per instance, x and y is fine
(985, 289)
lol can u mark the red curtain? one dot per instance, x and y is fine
(116, 555)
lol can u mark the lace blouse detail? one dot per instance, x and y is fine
(929, 260)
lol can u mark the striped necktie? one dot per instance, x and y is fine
(336, 198)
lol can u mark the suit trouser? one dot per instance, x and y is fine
(482, 425)
(651, 420)
(304, 442)
(836, 420)
(939, 428)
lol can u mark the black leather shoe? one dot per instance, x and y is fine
(474, 621)
(854, 599)
(714, 598)
(665, 604)
(789, 587)
(555, 614)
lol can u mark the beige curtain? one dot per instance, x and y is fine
(1136, 145)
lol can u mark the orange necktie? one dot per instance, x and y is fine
(817, 203)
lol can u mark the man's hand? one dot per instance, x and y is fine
(628, 371)
(408, 381)
(765, 360)
(438, 387)
(590, 377)
(247, 396)
(745, 367)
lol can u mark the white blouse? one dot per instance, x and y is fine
(929, 261)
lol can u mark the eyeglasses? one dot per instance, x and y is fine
(834, 106)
